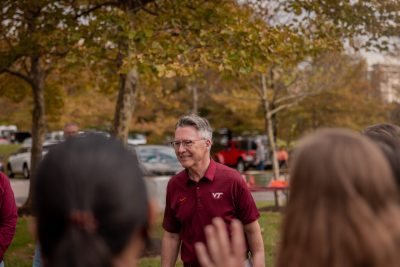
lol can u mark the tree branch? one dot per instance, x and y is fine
(282, 107)
(298, 97)
(284, 99)
(19, 75)
(256, 88)
(93, 8)
(133, 5)
(149, 11)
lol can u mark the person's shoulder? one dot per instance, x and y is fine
(227, 172)
(4, 182)
(178, 178)
(3, 177)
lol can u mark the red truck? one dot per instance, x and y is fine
(238, 153)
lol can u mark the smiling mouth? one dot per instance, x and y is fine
(184, 157)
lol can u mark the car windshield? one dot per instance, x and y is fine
(157, 155)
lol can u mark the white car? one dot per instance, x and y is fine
(20, 161)
(157, 160)
(136, 139)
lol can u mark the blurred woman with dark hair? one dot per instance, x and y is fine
(382, 129)
(91, 204)
(343, 209)
(387, 137)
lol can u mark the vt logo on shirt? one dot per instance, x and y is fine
(217, 195)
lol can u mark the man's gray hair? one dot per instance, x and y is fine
(199, 123)
(71, 123)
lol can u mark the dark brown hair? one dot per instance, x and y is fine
(386, 129)
(387, 137)
(90, 199)
(343, 209)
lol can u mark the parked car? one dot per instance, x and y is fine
(157, 160)
(240, 152)
(94, 132)
(7, 130)
(19, 137)
(20, 161)
(136, 139)
(54, 136)
(4, 141)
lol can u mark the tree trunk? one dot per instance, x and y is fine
(272, 144)
(38, 123)
(193, 88)
(125, 104)
(269, 124)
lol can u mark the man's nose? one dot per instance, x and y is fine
(181, 147)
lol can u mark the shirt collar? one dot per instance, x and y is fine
(209, 174)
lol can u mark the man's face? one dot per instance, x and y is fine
(70, 130)
(190, 147)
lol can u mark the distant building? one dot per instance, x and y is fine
(386, 78)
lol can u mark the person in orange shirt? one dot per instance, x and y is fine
(283, 158)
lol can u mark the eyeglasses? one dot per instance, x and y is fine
(185, 143)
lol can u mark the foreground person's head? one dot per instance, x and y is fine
(387, 137)
(91, 204)
(382, 129)
(343, 209)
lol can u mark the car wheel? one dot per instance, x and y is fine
(240, 165)
(10, 173)
(25, 171)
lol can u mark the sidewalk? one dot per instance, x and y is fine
(20, 188)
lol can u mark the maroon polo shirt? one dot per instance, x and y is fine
(191, 206)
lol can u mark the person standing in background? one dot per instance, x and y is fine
(260, 155)
(70, 129)
(283, 157)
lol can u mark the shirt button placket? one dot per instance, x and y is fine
(199, 205)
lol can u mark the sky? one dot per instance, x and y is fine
(374, 58)
(379, 58)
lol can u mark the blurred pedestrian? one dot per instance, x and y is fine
(260, 155)
(283, 157)
(91, 204)
(8, 215)
(201, 192)
(70, 129)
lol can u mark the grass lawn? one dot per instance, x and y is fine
(6, 150)
(20, 253)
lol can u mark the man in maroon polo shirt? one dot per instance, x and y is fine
(201, 192)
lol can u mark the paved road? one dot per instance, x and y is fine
(21, 188)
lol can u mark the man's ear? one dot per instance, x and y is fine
(208, 143)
